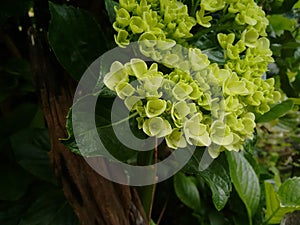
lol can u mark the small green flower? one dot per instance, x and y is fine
(130, 5)
(132, 102)
(124, 89)
(222, 75)
(142, 7)
(233, 86)
(137, 25)
(151, 19)
(155, 107)
(195, 132)
(202, 83)
(203, 20)
(242, 18)
(122, 17)
(179, 112)
(255, 99)
(183, 28)
(176, 139)
(181, 91)
(196, 93)
(233, 51)
(221, 133)
(232, 104)
(237, 143)
(157, 126)
(262, 108)
(165, 44)
(171, 60)
(150, 86)
(148, 39)
(249, 126)
(225, 39)
(250, 37)
(138, 67)
(198, 60)
(116, 75)
(122, 38)
(212, 5)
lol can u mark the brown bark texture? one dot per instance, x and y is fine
(94, 199)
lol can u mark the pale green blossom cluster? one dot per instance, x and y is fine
(198, 103)
(202, 106)
(246, 12)
(152, 20)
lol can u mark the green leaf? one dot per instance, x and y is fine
(218, 178)
(14, 182)
(192, 167)
(297, 5)
(31, 147)
(75, 38)
(295, 100)
(186, 190)
(152, 222)
(285, 201)
(245, 181)
(289, 192)
(276, 112)
(272, 204)
(216, 175)
(50, 208)
(279, 24)
(105, 131)
(109, 5)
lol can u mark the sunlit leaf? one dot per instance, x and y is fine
(276, 112)
(245, 181)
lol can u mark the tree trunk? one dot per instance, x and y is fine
(94, 199)
(291, 218)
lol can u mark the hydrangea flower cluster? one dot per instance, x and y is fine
(198, 103)
(152, 20)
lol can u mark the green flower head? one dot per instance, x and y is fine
(234, 86)
(157, 127)
(181, 91)
(122, 38)
(179, 111)
(195, 132)
(212, 5)
(155, 107)
(221, 133)
(122, 17)
(133, 103)
(198, 60)
(137, 25)
(124, 89)
(176, 139)
(225, 39)
(203, 20)
(138, 68)
(130, 5)
(250, 37)
(116, 76)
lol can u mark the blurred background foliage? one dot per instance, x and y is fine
(29, 192)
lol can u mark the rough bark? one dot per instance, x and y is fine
(94, 199)
(291, 219)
